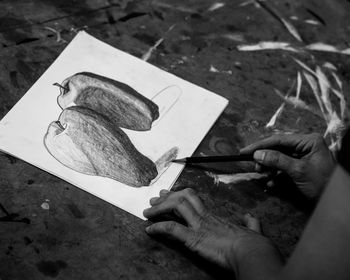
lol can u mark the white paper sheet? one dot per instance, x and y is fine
(184, 125)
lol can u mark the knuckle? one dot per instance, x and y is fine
(272, 157)
(204, 218)
(181, 200)
(299, 169)
(194, 241)
(190, 192)
(170, 227)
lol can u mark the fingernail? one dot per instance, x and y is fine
(164, 191)
(259, 156)
(257, 167)
(250, 215)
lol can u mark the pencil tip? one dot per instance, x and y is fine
(179, 161)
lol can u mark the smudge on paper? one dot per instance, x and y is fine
(164, 161)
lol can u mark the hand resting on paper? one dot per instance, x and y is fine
(306, 159)
(222, 242)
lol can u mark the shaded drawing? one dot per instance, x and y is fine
(88, 137)
(86, 142)
(164, 161)
(119, 102)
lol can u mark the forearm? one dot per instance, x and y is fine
(324, 249)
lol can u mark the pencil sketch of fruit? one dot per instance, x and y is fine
(88, 135)
(120, 103)
(87, 142)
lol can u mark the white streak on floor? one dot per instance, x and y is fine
(235, 178)
(312, 22)
(147, 55)
(275, 116)
(268, 46)
(216, 6)
(299, 83)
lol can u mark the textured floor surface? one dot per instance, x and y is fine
(51, 229)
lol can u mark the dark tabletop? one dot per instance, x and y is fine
(51, 229)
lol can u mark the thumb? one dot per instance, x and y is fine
(277, 160)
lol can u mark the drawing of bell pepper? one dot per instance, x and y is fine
(86, 141)
(118, 102)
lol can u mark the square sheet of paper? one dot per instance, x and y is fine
(184, 126)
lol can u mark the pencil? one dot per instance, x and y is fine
(248, 157)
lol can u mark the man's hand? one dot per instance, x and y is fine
(233, 246)
(305, 158)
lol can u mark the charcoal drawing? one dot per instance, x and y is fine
(88, 137)
(120, 103)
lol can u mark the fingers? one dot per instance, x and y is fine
(171, 230)
(184, 204)
(278, 160)
(283, 140)
(189, 193)
(252, 223)
(163, 192)
(162, 196)
(194, 200)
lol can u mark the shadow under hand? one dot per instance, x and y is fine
(210, 268)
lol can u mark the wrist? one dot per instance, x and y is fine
(255, 258)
